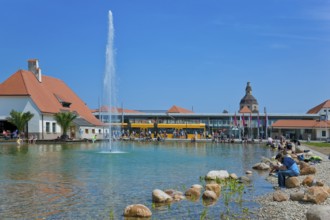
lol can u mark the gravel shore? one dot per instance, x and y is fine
(292, 209)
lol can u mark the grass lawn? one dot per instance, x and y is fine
(318, 144)
(321, 147)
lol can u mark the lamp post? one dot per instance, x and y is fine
(326, 125)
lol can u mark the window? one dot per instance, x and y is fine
(308, 131)
(93, 131)
(48, 127)
(54, 127)
(86, 131)
(100, 131)
(65, 103)
(324, 133)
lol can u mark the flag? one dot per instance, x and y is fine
(250, 120)
(243, 120)
(235, 120)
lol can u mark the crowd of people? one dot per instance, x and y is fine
(18, 136)
(7, 134)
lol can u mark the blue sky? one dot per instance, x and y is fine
(192, 53)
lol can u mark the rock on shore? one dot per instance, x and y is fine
(290, 209)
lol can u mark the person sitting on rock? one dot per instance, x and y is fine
(288, 168)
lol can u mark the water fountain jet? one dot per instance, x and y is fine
(109, 86)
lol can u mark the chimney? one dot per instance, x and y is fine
(33, 66)
(38, 74)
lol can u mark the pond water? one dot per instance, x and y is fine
(80, 181)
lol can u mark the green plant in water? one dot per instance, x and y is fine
(220, 181)
(226, 198)
(204, 214)
(112, 215)
(202, 180)
(232, 191)
(245, 211)
(184, 187)
(224, 216)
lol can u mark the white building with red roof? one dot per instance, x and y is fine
(314, 129)
(43, 96)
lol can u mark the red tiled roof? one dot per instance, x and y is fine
(43, 94)
(300, 124)
(245, 109)
(316, 109)
(177, 109)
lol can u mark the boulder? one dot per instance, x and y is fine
(316, 194)
(159, 196)
(197, 186)
(233, 176)
(217, 174)
(209, 196)
(319, 183)
(292, 182)
(280, 196)
(318, 213)
(297, 196)
(327, 189)
(244, 179)
(307, 170)
(176, 195)
(266, 160)
(308, 181)
(303, 164)
(248, 172)
(193, 194)
(137, 210)
(214, 187)
(261, 166)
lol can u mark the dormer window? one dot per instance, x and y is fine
(64, 103)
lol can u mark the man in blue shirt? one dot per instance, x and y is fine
(288, 168)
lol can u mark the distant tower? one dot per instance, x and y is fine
(248, 100)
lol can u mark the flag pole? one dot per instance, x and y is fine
(251, 136)
(258, 126)
(326, 125)
(266, 123)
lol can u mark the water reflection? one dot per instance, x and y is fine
(13, 149)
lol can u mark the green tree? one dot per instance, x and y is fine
(64, 119)
(20, 119)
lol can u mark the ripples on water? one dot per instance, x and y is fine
(85, 180)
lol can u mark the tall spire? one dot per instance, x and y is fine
(248, 89)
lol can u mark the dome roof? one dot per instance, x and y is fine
(248, 99)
